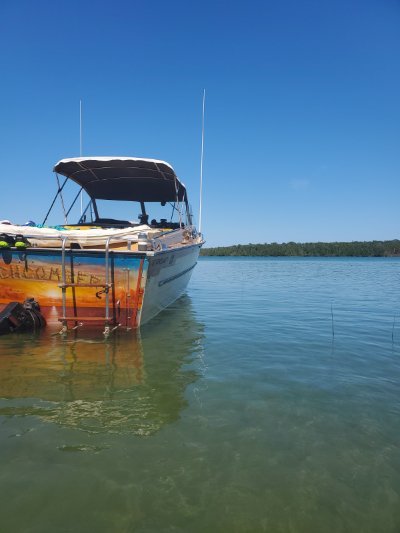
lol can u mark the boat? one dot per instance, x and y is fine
(113, 272)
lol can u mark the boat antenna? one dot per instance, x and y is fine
(201, 159)
(80, 145)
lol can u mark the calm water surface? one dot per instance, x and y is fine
(266, 399)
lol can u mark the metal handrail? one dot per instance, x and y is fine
(64, 239)
(107, 257)
(126, 238)
(64, 280)
(107, 279)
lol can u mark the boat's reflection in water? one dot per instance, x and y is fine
(131, 382)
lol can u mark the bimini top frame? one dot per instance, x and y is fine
(124, 178)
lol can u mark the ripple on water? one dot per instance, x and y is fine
(265, 400)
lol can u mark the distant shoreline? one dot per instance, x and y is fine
(309, 249)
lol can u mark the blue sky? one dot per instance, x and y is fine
(302, 109)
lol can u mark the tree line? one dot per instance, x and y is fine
(310, 249)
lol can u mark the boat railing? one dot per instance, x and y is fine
(65, 284)
(107, 285)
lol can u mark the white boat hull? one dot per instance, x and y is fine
(168, 275)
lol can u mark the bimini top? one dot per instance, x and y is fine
(124, 178)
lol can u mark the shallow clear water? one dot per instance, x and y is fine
(266, 399)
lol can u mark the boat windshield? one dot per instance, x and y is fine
(124, 213)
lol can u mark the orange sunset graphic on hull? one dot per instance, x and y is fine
(40, 278)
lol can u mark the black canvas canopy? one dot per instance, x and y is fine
(124, 178)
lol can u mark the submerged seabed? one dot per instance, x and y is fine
(267, 399)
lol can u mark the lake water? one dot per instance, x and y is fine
(266, 399)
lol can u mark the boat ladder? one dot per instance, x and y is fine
(106, 286)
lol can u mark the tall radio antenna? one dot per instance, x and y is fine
(201, 160)
(80, 128)
(80, 144)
